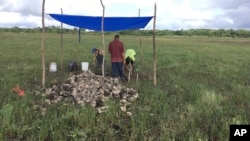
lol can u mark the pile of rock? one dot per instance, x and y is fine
(88, 88)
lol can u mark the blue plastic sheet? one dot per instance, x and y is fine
(110, 23)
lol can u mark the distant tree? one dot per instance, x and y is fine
(15, 29)
(179, 32)
(243, 33)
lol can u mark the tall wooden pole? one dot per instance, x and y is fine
(42, 47)
(103, 38)
(154, 47)
(61, 43)
(140, 41)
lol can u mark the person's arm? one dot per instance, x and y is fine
(126, 66)
(94, 58)
(123, 53)
(123, 58)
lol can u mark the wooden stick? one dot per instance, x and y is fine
(129, 76)
(61, 43)
(131, 68)
(103, 39)
(42, 47)
(140, 42)
(154, 48)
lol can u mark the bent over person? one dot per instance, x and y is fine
(98, 60)
(117, 57)
(130, 59)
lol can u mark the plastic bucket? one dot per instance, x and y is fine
(85, 66)
(52, 67)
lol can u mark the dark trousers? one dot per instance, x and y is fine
(117, 69)
(98, 69)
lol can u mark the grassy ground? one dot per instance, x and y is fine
(203, 86)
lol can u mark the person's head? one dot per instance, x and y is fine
(94, 50)
(117, 37)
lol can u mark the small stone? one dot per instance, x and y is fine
(129, 113)
(123, 109)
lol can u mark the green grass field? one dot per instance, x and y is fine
(203, 86)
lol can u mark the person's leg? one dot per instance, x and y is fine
(133, 65)
(120, 71)
(95, 68)
(114, 69)
(127, 63)
(98, 69)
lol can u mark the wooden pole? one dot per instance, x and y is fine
(61, 43)
(103, 38)
(42, 47)
(129, 73)
(137, 76)
(140, 41)
(79, 35)
(154, 47)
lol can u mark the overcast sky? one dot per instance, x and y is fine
(171, 14)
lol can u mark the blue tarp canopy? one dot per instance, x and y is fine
(110, 23)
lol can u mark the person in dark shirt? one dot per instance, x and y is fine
(98, 59)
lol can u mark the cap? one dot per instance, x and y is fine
(94, 50)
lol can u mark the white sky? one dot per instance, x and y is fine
(171, 14)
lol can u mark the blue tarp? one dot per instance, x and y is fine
(110, 23)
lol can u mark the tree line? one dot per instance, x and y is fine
(191, 32)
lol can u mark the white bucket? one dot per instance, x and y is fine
(52, 67)
(85, 66)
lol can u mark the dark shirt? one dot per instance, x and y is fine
(99, 58)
